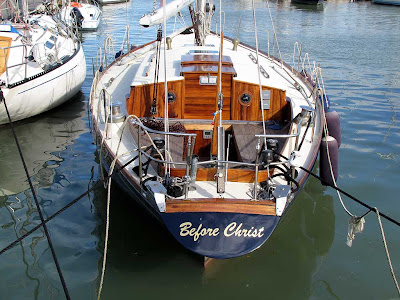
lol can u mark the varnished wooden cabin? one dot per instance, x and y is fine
(193, 101)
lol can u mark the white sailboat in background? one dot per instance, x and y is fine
(84, 15)
(42, 63)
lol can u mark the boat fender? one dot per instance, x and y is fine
(333, 123)
(329, 155)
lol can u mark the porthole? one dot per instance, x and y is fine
(171, 97)
(245, 98)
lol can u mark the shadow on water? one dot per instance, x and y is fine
(144, 261)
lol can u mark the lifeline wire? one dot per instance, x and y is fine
(2, 99)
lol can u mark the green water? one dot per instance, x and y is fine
(358, 47)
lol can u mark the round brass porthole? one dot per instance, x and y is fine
(245, 98)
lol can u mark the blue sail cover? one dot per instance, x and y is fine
(8, 28)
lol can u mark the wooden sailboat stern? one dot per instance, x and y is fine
(220, 234)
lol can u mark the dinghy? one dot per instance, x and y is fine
(213, 137)
(42, 65)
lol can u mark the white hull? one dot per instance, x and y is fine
(91, 16)
(39, 76)
(45, 92)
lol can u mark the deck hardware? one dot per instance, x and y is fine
(208, 80)
(207, 134)
(267, 156)
(159, 192)
(266, 99)
(258, 148)
(193, 169)
(281, 194)
(263, 72)
(116, 116)
(159, 142)
(235, 44)
(221, 157)
(168, 40)
(253, 59)
(307, 112)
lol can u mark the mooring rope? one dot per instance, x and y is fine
(374, 209)
(2, 99)
(103, 269)
(387, 251)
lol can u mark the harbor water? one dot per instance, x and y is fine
(357, 44)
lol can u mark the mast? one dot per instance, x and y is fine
(201, 19)
(199, 26)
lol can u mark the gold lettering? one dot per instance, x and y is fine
(184, 228)
(229, 230)
(238, 231)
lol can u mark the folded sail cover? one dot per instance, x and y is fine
(171, 9)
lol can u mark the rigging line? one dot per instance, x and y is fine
(2, 99)
(259, 73)
(166, 120)
(327, 146)
(345, 193)
(275, 36)
(387, 251)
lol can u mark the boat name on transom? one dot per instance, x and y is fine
(233, 229)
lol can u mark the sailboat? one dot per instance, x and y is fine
(42, 64)
(213, 137)
(82, 14)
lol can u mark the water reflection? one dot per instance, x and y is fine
(42, 140)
